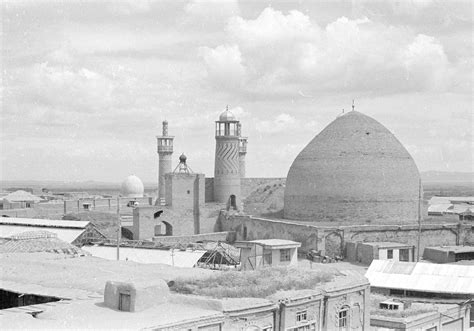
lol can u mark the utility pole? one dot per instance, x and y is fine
(119, 228)
(419, 221)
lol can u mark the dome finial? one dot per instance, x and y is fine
(353, 105)
(182, 166)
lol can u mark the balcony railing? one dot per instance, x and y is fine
(165, 149)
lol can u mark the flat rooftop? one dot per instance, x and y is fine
(413, 312)
(53, 275)
(454, 249)
(386, 244)
(273, 243)
(92, 314)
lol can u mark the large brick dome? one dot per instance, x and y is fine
(355, 170)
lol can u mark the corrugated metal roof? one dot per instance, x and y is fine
(41, 241)
(423, 277)
(439, 208)
(177, 258)
(68, 235)
(43, 222)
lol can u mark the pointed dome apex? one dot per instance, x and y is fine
(227, 116)
(354, 170)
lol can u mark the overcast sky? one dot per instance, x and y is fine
(87, 84)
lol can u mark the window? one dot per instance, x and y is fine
(343, 319)
(404, 255)
(301, 316)
(390, 254)
(188, 191)
(285, 255)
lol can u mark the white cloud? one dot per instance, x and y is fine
(224, 65)
(426, 62)
(275, 52)
(78, 89)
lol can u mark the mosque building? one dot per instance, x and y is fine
(229, 166)
(354, 170)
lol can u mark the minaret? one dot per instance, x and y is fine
(165, 150)
(226, 169)
(242, 150)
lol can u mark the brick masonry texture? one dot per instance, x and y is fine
(354, 170)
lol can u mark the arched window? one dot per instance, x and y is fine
(343, 318)
(233, 202)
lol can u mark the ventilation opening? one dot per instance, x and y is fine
(10, 299)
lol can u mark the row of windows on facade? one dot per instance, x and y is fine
(301, 317)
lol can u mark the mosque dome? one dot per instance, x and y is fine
(227, 116)
(132, 187)
(354, 170)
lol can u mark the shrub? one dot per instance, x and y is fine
(259, 283)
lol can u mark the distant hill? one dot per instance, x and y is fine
(447, 177)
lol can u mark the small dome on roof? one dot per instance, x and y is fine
(183, 158)
(132, 187)
(227, 116)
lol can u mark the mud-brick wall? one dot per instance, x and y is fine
(431, 235)
(250, 228)
(209, 190)
(331, 241)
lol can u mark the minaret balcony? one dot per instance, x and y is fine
(165, 149)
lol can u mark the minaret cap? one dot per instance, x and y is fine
(227, 116)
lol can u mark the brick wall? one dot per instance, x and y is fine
(331, 240)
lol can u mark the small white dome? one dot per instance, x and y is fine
(132, 187)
